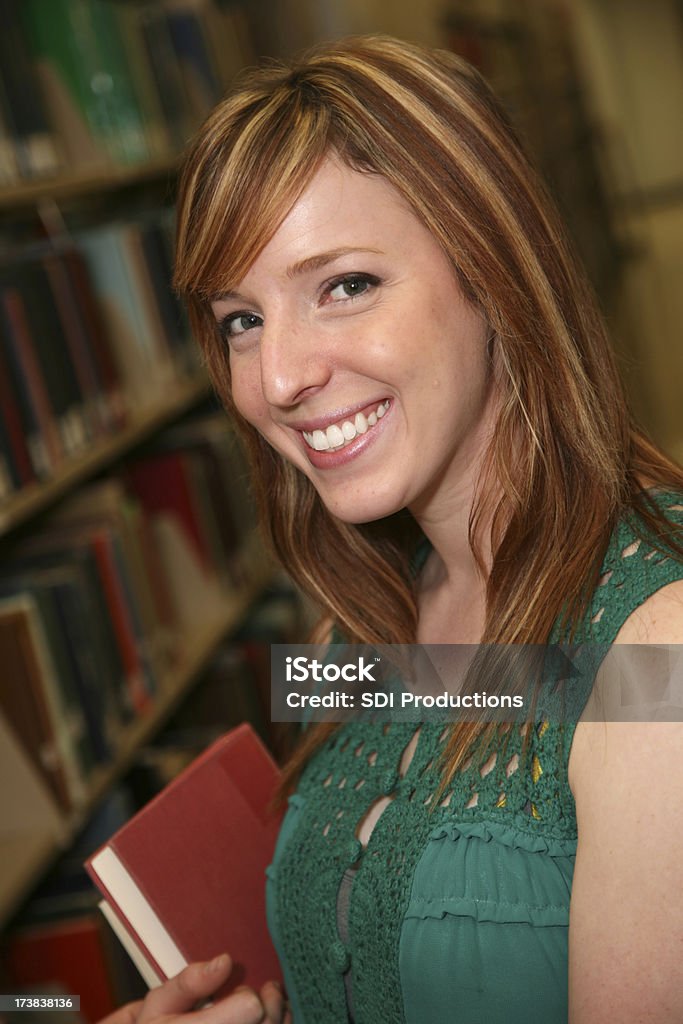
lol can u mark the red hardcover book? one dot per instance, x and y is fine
(11, 413)
(163, 483)
(184, 879)
(101, 541)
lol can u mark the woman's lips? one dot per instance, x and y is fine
(341, 433)
(340, 455)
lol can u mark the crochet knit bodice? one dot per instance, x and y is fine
(462, 906)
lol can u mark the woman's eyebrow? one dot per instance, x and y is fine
(322, 259)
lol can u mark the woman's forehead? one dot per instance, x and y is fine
(339, 211)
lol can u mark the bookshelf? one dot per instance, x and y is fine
(24, 857)
(34, 498)
(79, 184)
(83, 200)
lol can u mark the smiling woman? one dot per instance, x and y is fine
(355, 354)
(442, 453)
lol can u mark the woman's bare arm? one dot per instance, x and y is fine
(626, 923)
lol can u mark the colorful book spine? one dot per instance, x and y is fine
(80, 59)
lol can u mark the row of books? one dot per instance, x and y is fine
(58, 942)
(92, 83)
(90, 333)
(96, 606)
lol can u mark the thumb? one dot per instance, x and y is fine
(178, 994)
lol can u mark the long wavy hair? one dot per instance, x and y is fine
(565, 460)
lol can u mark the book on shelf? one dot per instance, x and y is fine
(91, 84)
(56, 354)
(108, 596)
(130, 265)
(35, 145)
(201, 82)
(49, 333)
(81, 65)
(184, 880)
(122, 601)
(109, 502)
(89, 334)
(60, 600)
(17, 412)
(42, 435)
(218, 456)
(163, 483)
(35, 700)
(142, 363)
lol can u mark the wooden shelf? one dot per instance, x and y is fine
(88, 182)
(20, 507)
(24, 857)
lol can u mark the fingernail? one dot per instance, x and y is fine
(277, 985)
(217, 964)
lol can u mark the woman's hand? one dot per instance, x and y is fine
(174, 1000)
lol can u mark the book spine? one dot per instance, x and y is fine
(138, 691)
(201, 84)
(112, 397)
(64, 49)
(59, 714)
(79, 351)
(110, 276)
(24, 705)
(126, 123)
(164, 66)
(9, 475)
(72, 618)
(35, 143)
(52, 352)
(45, 443)
(16, 426)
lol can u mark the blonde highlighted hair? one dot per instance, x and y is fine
(565, 460)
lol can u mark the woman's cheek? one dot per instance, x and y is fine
(247, 395)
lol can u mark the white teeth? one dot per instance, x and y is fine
(337, 436)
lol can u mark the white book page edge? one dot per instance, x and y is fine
(142, 917)
(149, 975)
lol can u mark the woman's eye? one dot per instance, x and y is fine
(351, 286)
(239, 323)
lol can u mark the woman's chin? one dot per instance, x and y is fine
(356, 512)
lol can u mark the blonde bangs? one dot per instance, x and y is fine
(242, 175)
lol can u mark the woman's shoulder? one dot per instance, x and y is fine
(640, 589)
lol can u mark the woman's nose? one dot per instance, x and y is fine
(294, 362)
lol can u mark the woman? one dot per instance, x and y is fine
(443, 454)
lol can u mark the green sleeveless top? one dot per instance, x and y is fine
(459, 912)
